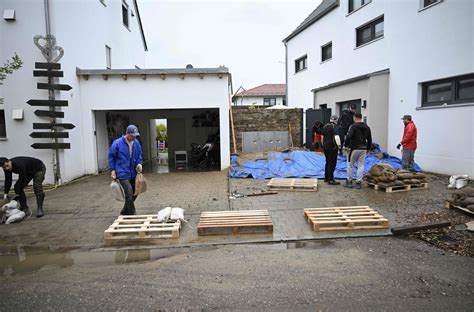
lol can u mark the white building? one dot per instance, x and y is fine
(264, 95)
(392, 58)
(104, 62)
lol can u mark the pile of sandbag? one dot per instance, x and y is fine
(385, 175)
(463, 197)
(11, 213)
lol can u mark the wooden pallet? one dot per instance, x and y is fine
(235, 222)
(345, 218)
(285, 184)
(399, 188)
(448, 205)
(141, 227)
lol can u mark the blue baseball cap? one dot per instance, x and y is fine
(133, 130)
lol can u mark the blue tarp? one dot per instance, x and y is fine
(302, 164)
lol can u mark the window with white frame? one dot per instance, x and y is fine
(300, 63)
(125, 14)
(3, 126)
(269, 101)
(326, 52)
(454, 90)
(370, 31)
(108, 57)
(356, 4)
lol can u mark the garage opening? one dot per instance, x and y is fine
(192, 137)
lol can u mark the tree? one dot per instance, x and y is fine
(9, 67)
(161, 133)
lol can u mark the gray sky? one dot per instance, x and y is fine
(245, 36)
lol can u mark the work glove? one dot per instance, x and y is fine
(139, 168)
(113, 175)
(398, 146)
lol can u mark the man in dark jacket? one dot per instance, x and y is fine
(27, 168)
(330, 148)
(125, 161)
(359, 141)
(345, 121)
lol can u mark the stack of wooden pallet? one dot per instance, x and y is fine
(223, 222)
(141, 227)
(345, 218)
(286, 184)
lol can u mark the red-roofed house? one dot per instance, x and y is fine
(267, 94)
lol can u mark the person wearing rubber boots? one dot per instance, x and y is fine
(27, 168)
(125, 161)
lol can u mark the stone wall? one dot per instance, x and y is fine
(261, 119)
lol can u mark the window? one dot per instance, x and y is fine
(326, 52)
(356, 4)
(429, 2)
(125, 14)
(300, 63)
(108, 57)
(456, 90)
(269, 101)
(3, 127)
(370, 31)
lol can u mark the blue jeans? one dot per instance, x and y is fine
(128, 190)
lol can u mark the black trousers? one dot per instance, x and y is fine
(331, 161)
(38, 179)
(129, 190)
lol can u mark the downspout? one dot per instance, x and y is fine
(46, 17)
(286, 74)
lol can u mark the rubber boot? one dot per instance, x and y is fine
(23, 205)
(358, 185)
(39, 203)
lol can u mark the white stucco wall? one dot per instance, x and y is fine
(256, 100)
(417, 46)
(82, 28)
(152, 94)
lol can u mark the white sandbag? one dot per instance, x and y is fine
(177, 214)
(453, 179)
(164, 214)
(117, 191)
(13, 204)
(16, 217)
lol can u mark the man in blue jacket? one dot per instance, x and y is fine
(125, 161)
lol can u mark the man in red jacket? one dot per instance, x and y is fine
(408, 143)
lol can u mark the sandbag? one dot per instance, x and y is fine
(375, 171)
(406, 176)
(420, 175)
(467, 201)
(14, 215)
(470, 207)
(385, 185)
(117, 191)
(177, 214)
(465, 192)
(164, 214)
(140, 184)
(398, 183)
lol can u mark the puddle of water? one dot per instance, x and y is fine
(310, 244)
(25, 260)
